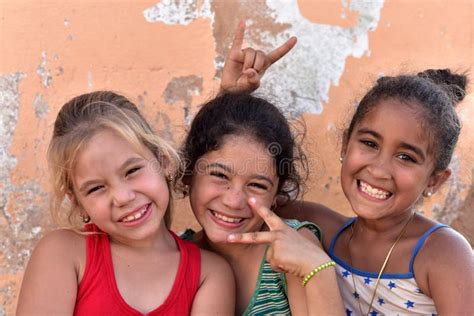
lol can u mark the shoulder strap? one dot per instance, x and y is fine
(297, 225)
(334, 239)
(421, 241)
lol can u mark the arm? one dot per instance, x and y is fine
(328, 220)
(51, 278)
(244, 68)
(448, 259)
(296, 254)
(216, 294)
(321, 294)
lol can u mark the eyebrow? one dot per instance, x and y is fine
(129, 161)
(408, 146)
(229, 169)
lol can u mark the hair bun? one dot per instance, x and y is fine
(454, 84)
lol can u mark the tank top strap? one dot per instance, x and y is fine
(334, 239)
(421, 241)
(297, 225)
(192, 261)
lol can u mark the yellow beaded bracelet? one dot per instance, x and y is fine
(316, 270)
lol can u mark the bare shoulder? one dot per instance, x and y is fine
(448, 242)
(62, 243)
(50, 281)
(444, 271)
(212, 263)
(217, 280)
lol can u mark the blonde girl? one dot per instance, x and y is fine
(114, 172)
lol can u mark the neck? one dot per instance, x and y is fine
(160, 241)
(388, 227)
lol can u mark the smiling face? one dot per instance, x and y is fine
(123, 191)
(223, 180)
(386, 162)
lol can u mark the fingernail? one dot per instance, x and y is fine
(231, 237)
(251, 74)
(252, 200)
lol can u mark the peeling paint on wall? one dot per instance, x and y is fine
(41, 106)
(19, 228)
(9, 99)
(323, 49)
(180, 12)
(182, 89)
(43, 71)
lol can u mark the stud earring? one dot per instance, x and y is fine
(428, 194)
(85, 219)
(340, 159)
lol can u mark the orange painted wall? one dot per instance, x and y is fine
(54, 50)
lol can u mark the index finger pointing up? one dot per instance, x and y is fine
(239, 37)
(271, 219)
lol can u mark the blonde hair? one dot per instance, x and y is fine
(77, 122)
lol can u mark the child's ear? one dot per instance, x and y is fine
(345, 141)
(435, 182)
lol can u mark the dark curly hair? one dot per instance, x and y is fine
(436, 93)
(245, 114)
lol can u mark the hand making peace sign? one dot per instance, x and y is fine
(291, 251)
(243, 68)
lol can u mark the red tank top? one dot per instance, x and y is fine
(98, 293)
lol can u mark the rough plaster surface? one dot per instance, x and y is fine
(166, 56)
(20, 223)
(323, 49)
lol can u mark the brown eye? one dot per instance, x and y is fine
(369, 143)
(406, 157)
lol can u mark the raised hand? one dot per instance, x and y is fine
(291, 251)
(244, 68)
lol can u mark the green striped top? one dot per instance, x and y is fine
(270, 296)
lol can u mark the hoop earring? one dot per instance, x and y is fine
(85, 219)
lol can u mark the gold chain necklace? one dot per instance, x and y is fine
(387, 257)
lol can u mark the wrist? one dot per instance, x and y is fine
(316, 270)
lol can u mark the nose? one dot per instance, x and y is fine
(122, 196)
(234, 198)
(380, 167)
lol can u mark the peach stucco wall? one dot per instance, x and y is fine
(167, 58)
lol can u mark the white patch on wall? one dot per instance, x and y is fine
(180, 12)
(302, 79)
(90, 82)
(43, 70)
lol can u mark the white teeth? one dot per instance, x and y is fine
(227, 219)
(134, 217)
(374, 192)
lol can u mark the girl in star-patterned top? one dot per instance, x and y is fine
(396, 151)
